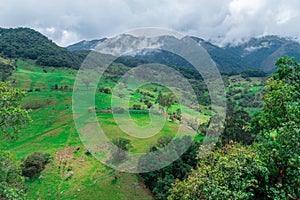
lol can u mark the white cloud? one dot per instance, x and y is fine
(224, 21)
(68, 37)
(285, 15)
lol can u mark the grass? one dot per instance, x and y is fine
(53, 131)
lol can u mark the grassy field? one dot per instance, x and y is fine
(52, 131)
(48, 95)
(246, 92)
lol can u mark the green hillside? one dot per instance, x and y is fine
(30, 44)
(48, 95)
(52, 130)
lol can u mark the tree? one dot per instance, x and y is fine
(281, 98)
(278, 128)
(119, 152)
(11, 181)
(12, 115)
(232, 172)
(165, 101)
(269, 169)
(160, 181)
(86, 82)
(237, 126)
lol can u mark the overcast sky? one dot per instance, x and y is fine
(69, 21)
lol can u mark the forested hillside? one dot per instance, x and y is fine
(30, 44)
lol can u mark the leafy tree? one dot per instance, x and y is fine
(237, 126)
(176, 115)
(86, 82)
(281, 98)
(278, 127)
(232, 172)
(165, 101)
(11, 181)
(160, 181)
(12, 115)
(269, 169)
(119, 152)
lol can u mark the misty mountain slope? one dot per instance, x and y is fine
(226, 61)
(85, 45)
(263, 52)
(260, 53)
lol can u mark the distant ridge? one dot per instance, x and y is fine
(257, 53)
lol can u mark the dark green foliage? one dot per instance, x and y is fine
(266, 170)
(119, 152)
(5, 71)
(34, 164)
(175, 115)
(29, 44)
(282, 158)
(11, 181)
(232, 172)
(130, 61)
(236, 127)
(105, 90)
(253, 73)
(278, 128)
(160, 181)
(165, 101)
(281, 98)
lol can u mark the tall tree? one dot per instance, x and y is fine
(12, 115)
(119, 151)
(269, 169)
(231, 172)
(278, 126)
(237, 126)
(12, 118)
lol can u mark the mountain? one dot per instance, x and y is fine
(263, 52)
(226, 61)
(85, 45)
(30, 44)
(257, 53)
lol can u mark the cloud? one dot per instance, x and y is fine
(221, 21)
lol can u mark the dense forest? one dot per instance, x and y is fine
(30, 44)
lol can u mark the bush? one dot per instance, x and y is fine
(11, 181)
(118, 110)
(105, 90)
(34, 164)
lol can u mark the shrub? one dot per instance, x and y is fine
(34, 164)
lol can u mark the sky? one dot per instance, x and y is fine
(220, 21)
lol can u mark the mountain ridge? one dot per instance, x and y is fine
(256, 53)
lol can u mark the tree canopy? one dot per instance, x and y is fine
(30, 44)
(12, 115)
(270, 167)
